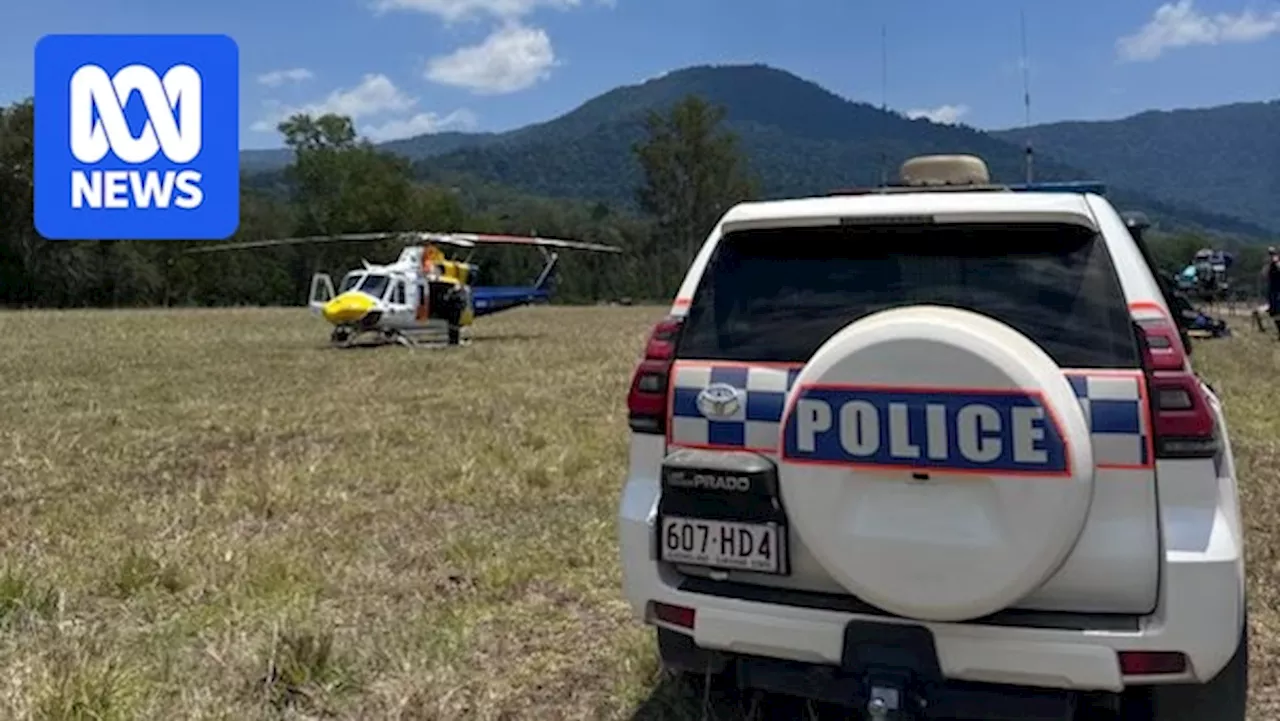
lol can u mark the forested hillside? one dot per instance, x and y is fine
(1225, 158)
(799, 137)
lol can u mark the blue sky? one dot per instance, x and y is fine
(402, 67)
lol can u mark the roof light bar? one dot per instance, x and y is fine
(1073, 186)
(889, 220)
(1068, 186)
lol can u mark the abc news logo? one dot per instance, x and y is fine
(137, 137)
(99, 126)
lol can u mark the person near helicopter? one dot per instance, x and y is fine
(445, 296)
(1271, 276)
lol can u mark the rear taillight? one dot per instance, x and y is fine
(1164, 351)
(647, 400)
(1184, 425)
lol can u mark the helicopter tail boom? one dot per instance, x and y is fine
(487, 300)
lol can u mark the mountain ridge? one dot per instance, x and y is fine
(800, 137)
(1231, 151)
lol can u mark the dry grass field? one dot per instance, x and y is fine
(210, 515)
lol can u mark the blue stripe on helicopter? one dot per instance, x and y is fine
(490, 299)
(960, 429)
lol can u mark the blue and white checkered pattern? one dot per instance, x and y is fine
(1112, 406)
(757, 422)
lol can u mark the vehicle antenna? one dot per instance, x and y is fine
(1026, 96)
(884, 101)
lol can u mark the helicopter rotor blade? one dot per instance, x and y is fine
(492, 239)
(461, 240)
(307, 240)
(431, 236)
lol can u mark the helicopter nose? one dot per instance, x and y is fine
(347, 308)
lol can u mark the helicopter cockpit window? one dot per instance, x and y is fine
(397, 293)
(374, 285)
(350, 281)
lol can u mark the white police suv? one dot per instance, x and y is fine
(937, 451)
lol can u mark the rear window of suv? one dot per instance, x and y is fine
(779, 294)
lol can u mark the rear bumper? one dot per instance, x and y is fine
(923, 699)
(1200, 614)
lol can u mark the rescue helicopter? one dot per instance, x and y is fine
(423, 292)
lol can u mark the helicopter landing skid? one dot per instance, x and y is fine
(354, 337)
(430, 340)
(343, 336)
(348, 337)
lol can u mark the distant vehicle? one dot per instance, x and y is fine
(1206, 276)
(936, 450)
(423, 292)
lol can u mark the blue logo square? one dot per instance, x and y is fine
(137, 137)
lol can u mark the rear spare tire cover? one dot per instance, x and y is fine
(936, 462)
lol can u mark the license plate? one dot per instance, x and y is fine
(722, 544)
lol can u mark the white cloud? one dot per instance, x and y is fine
(420, 124)
(513, 57)
(276, 78)
(375, 94)
(1179, 25)
(454, 10)
(375, 97)
(943, 114)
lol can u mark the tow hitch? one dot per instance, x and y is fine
(897, 663)
(889, 698)
(890, 672)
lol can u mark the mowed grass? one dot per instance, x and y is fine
(209, 514)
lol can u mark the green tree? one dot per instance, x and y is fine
(19, 245)
(342, 184)
(33, 269)
(694, 171)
